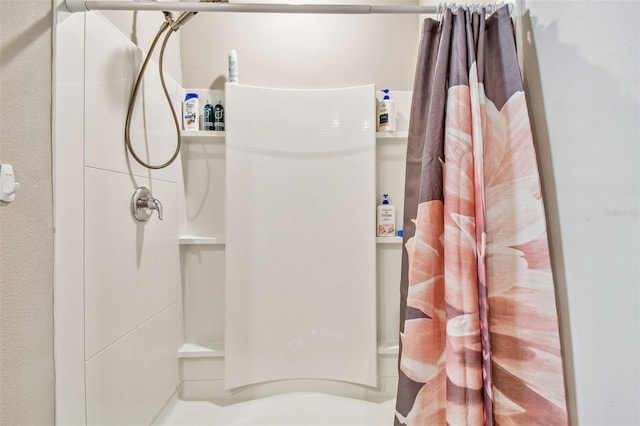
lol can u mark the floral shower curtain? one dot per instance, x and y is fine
(479, 330)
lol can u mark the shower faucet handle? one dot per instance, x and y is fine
(143, 204)
(155, 204)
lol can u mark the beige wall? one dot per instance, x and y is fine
(302, 51)
(26, 225)
(582, 79)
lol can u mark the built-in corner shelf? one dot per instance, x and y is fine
(219, 136)
(388, 348)
(389, 240)
(212, 136)
(209, 350)
(216, 350)
(188, 240)
(392, 135)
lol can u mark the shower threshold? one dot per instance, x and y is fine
(290, 409)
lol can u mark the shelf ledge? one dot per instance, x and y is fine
(189, 240)
(403, 134)
(210, 350)
(203, 134)
(216, 350)
(388, 348)
(389, 240)
(220, 136)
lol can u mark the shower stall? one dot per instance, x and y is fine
(145, 315)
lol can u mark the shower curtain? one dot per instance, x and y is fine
(479, 331)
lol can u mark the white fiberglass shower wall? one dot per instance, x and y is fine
(115, 280)
(129, 301)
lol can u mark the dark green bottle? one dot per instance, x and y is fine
(218, 117)
(208, 116)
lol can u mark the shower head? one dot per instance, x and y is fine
(186, 16)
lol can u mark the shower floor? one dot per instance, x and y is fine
(291, 409)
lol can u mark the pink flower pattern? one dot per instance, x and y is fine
(528, 381)
(483, 253)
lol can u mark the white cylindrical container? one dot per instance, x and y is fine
(386, 219)
(233, 66)
(190, 108)
(387, 114)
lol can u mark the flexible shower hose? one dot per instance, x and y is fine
(134, 95)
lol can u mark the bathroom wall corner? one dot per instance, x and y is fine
(68, 164)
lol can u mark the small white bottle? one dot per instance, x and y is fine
(386, 218)
(387, 114)
(190, 108)
(233, 66)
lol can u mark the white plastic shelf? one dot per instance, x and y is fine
(389, 240)
(388, 348)
(188, 240)
(219, 136)
(203, 134)
(403, 134)
(216, 350)
(208, 350)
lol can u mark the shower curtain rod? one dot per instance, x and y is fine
(87, 5)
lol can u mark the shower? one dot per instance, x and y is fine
(155, 267)
(230, 282)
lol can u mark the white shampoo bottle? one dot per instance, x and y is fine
(387, 114)
(233, 66)
(190, 108)
(386, 218)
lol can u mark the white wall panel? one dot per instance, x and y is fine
(203, 165)
(111, 66)
(116, 281)
(141, 29)
(300, 244)
(130, 382)
(131, 269)
(203, 270)
(388, 266)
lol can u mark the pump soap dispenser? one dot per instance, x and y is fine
(386, 218)
(387, 114)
